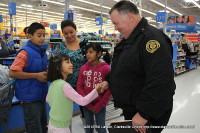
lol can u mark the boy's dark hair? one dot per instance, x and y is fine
(67, 22)
(97, 47)
(55, 67)
(124, 7)
(33, 27)
(25, 29)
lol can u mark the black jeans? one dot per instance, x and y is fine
(35, 117)
(160, 122)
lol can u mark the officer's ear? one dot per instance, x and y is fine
(131, 17)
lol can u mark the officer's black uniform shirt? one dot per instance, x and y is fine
(142, 77)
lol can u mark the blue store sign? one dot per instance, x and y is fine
(197, 27)
(161, 16)
(69, 16)
(99, 21)
(182, 27)
(12, 8)
(1, 18)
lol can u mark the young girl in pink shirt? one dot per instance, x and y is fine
(61, 95)
(91, 73)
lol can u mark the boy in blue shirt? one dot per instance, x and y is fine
(29, 68)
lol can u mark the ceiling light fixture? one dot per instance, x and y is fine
(158, 3)
(141, 9)
(195, 3)
(91, 3)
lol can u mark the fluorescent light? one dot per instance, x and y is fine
(190, 0)
(148, 11)
(141, 9)
(148, 18)
(196, 4)
(71, 6)
(93, 4)
(58, 3)
(164, 11)
(166, 7)
(24, 5)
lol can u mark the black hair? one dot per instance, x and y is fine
(124, 7)
(67, 22)
(97, 47)
(33, 27)
(55, 67)
(26, 29)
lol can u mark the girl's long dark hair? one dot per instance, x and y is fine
(55, 67)
(98, 48)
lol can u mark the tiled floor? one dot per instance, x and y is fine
(186, 107)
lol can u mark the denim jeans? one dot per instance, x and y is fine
(100, 120)
(35, 117)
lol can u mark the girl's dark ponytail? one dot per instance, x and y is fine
(106, 56)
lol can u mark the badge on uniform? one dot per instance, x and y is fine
(152, 46)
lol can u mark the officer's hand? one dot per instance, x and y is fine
(137, 120)
(98, 87)
(104, 86)
(42, 76)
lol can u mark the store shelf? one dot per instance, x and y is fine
(181, 72)
(180, 66)
(99, 41)
(182, 55)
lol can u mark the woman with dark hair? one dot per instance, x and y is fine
(26, 31)
(75, 49)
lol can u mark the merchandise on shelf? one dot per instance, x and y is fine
(186, 48)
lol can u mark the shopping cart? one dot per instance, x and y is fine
(6, 96)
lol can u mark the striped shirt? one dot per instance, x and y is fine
(20, 62)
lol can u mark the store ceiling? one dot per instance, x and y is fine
(86, 11)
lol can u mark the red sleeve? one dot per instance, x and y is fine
(20, 62)
(107, 94)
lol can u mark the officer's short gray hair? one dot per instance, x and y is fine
(125, 7)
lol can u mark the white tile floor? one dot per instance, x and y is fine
(186, 106)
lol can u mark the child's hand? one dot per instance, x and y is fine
(104, 86)
(42, 76)
(98, 87)
(93, 111)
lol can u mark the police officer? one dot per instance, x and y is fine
(142, 77)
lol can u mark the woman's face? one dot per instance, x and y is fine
(186, 18)
(69, 33)
(179, 19)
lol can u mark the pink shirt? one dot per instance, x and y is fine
(74, 96)
(70, 93)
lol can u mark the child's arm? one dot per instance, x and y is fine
(73, 95)
(41, 76)
(21, 61)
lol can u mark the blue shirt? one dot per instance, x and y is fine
(77, 58)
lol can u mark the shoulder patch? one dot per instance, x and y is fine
(152, 46)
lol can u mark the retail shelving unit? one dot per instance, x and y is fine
(180, 64)
(179, 58)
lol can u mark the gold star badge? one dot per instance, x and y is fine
(152, 46)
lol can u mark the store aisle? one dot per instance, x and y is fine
(185, 112)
